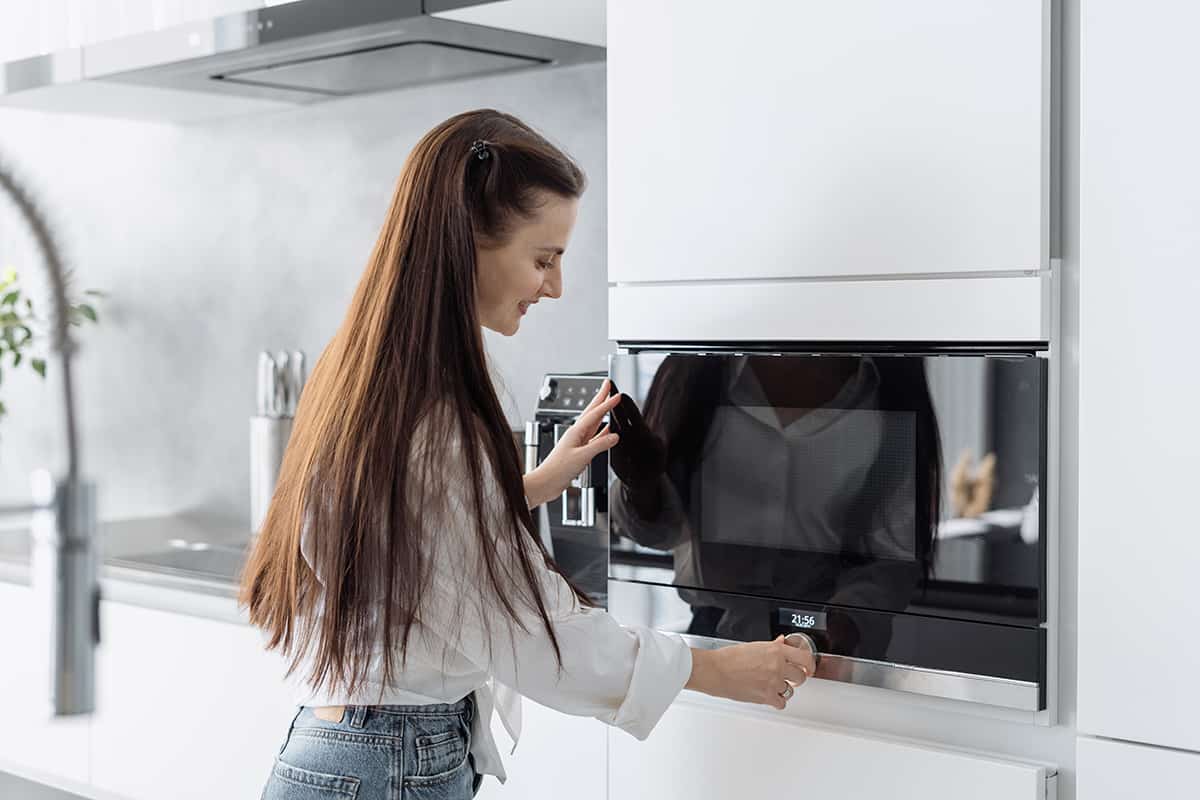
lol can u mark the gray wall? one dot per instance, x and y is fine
(219, 240)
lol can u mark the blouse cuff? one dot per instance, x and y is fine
(661, 670)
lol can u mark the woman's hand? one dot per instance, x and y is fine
(755, 672)
(574, 451)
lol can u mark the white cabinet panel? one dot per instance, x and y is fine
(32, 28)
(784, 138)
(556, 751)
(701, 754)
(187, 708)
(572, 20)
(958, 309)
(1108, 770)
(1139, 653)
(29, 737)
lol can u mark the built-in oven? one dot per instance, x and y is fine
(888, 504)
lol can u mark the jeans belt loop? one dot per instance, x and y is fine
(359, 718)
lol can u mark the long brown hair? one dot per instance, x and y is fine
(408, 356)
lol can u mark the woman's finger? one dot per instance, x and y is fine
(800, 654)
(600, 395)
(604, 440)
(589, 420)
(796, 673)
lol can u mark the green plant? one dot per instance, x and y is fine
(21, 330)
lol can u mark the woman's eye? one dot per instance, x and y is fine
(546, 264)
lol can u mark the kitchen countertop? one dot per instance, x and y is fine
(145, 562)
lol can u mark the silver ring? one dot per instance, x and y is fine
(787, 693)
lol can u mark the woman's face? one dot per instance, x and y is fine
(521, 271)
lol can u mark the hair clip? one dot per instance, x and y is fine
(480, 148)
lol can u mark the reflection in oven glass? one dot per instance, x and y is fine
(821, 479)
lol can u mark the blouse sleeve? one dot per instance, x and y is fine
(626, 677)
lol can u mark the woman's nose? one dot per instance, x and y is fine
(552, 286)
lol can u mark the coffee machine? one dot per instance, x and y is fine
(573, 525)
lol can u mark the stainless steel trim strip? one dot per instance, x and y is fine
(657, 606)
(1003, 692)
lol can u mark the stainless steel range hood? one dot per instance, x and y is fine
(272, 58)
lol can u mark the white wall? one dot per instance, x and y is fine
(216, 241)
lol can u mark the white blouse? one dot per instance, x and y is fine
(625, 677)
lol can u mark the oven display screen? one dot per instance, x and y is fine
(801, 619)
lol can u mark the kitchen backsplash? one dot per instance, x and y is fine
(215, 242)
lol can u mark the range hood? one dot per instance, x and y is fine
(267, 59)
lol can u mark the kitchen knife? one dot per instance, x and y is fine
(265, 388)
(297, 382)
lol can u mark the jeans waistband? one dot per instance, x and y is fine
(359, 716)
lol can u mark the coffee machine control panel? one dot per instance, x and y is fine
(567, 395)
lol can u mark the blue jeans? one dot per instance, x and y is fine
(378, 753)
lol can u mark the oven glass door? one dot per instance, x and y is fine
(869, 483)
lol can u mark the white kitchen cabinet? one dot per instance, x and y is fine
(185, 708)
(32, 28)
(559, 755)
(572, 20)
(699, 753)
(1139, 653)
(1004, 309)
(1107, 770)
(30, 739)
(799, 138)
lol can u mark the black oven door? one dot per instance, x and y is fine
(832, 493)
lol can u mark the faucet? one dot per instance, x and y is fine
(63, 566)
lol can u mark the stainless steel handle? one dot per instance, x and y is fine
(579, 496)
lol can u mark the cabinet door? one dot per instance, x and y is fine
(186, 708)
(795, 138)
(29, 737)
(701, 753)
(1139, 653)
(1107, 770)
(556, 751)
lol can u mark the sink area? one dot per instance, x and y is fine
(188, 551)
(183, 558)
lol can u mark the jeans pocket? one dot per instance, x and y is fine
(292, 783)
(439, 753)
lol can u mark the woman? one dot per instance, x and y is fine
(399, 567)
